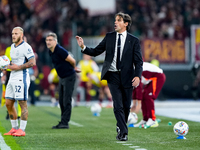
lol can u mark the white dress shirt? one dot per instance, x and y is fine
(123, 39)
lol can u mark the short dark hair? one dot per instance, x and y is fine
(126, 18)
(53, 35)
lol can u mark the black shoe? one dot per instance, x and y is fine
(61, 126)
(122, 138)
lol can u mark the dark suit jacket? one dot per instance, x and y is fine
(131, 61)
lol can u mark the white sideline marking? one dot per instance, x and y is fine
(133, 146)
(75, 124)
(137, 148)
(3, 145)
(127, 144)
(120, 142)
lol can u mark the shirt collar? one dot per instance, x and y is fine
(123, 33)
(19, 44)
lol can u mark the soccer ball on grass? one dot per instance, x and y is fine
(95, 109)
(181, 128)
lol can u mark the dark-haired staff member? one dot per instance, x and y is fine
(122, 68)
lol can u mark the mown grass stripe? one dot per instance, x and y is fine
(56, 115)
(97, 132)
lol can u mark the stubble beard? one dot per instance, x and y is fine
(17, 40)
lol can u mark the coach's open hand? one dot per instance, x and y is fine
(80, 41)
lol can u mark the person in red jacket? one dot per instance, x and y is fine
(152, 81)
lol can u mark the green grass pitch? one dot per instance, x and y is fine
(88, 132)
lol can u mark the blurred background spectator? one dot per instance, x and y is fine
(155, 18)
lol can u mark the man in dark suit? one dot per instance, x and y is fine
(122, 68)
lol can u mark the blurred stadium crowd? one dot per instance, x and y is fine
(150, 19)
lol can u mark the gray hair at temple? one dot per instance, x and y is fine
(53, 35)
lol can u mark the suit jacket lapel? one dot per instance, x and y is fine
(113, 42)
(126, 44)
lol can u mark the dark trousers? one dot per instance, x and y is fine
(66, 87)
(31, 92)
(121, 100)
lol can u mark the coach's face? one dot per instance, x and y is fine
(16, 36)
(120, 25)
(50, 42)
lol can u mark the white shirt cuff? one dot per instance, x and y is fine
(84, 48)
